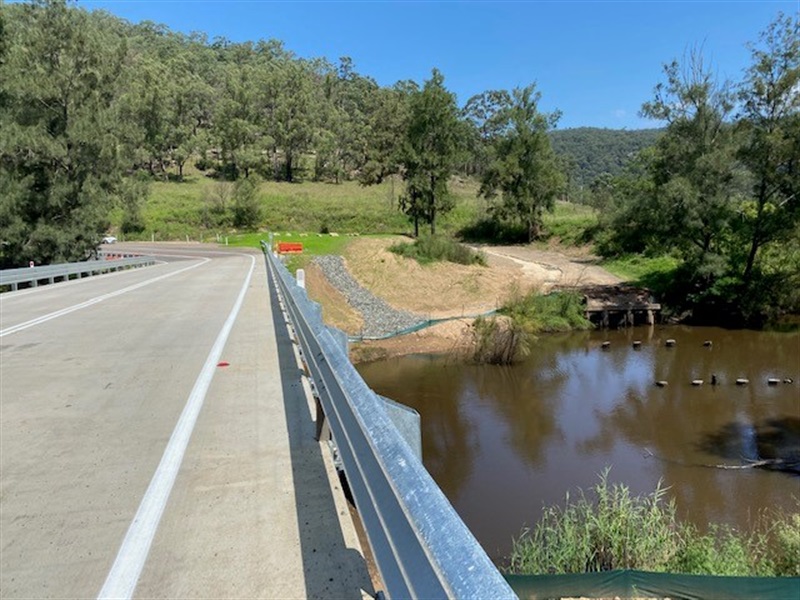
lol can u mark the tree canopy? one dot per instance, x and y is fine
(433, 143)
(94, 108)
(719, 190)
(522, 167)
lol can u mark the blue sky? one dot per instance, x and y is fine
(595, 61)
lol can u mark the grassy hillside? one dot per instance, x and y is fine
(175, 210)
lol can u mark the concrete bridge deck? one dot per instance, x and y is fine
(96, 378)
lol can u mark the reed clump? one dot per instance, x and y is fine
(610, 529)
(508, 337)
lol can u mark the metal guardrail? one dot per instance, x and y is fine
(63, 271)
(421, 546)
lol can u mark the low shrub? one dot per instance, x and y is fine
(431, 248)
(507, 338)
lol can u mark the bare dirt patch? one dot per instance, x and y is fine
(451, 337)
(551, 268)
(335, 309)
(447, 290)
(434, 291)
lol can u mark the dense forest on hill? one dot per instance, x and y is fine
(590, 152)
(94, 109)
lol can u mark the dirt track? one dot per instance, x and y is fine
(548, 268)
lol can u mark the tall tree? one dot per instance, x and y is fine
(693, 169)
(523, 168)
(387, 124)
(770, 123)
(485, 118)
(344, 124)
(295, 115)
(431, 151)
(59, 148)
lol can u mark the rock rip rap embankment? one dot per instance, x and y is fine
(380, 319)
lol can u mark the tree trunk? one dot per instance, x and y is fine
(289, 167)
(751, 259)
(432, 208)
(416, 226)
(533, 230)
(755, 241)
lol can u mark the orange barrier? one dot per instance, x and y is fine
(290, 247)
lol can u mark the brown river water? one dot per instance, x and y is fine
(502, 442)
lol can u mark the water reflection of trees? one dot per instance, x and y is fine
(774, 439)
(433, 387)
(524, 404)
(528, 395)
(683, 424)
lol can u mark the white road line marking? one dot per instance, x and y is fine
(124, 575)
(91, 301)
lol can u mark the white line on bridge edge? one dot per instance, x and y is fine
(124, 575)
(91, 301)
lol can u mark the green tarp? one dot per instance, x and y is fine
(638, 584)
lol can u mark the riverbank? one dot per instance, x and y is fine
(373, 292)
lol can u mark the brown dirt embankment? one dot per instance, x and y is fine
(444, 290)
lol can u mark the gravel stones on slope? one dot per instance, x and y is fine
(380, 319)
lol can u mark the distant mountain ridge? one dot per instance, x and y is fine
(592, 151)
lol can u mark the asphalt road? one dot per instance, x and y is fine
(132, 464)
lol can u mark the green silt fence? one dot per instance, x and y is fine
(419, 326)
(638, 584)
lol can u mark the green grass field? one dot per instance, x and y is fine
(175, 210)
(181, 210)
(314, 244)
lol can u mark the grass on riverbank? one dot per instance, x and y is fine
(611, 529)
(507, 339)
(654, 273)
(200, 208)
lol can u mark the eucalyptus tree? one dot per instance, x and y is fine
(769, 122)
(344, 121)
(484, 116)
(522, 168)
(432, 148)
(295, 118)
(387, 124)
(59, 143)
(693, 168)
(238, 128)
